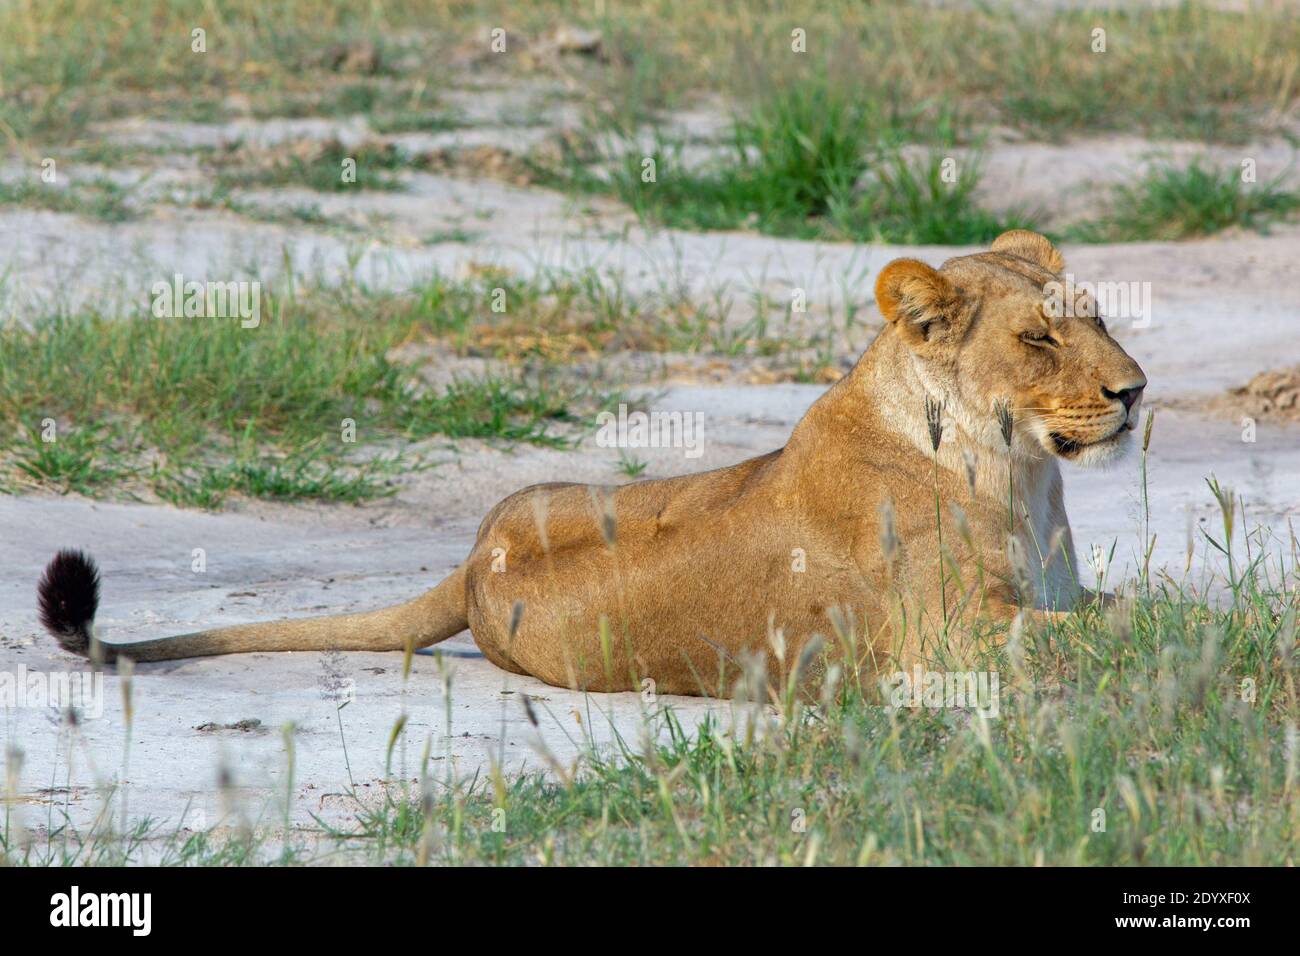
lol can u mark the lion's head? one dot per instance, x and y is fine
(991, 327)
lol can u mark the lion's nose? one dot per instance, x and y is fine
(1128, 395)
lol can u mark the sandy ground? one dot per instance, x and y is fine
(1220, 311)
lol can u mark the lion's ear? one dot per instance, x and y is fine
(1031, 247)
(916, 299)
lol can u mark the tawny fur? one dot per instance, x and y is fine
(677, 579)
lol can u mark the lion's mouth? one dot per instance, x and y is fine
(1068, 447)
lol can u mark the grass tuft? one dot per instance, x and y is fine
(924, 203)
(784, 165)
(812, 159)
(1171, 203)
(98, 198)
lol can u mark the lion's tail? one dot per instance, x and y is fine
(69, 596)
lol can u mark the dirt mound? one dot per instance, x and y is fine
(1273, 394)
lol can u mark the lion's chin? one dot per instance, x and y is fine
(1096, 454)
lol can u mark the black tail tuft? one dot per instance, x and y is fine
(68, 597)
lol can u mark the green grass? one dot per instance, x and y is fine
(812, 159)
(1186, 70)
(75, 462)
(451, 234)
(802, 146)
(388, 106)
(414, 121)
(318, 166)
(305, 214)
(1171, 203)
(785, 164)
(98, 198)
(630, 465)
(914, 203)
(807, 165)
(302, 476)
(575, 315)
(492, 408)
(198, 409)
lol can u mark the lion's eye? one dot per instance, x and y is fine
(1037, 338)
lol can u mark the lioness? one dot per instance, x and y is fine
(835, 534)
